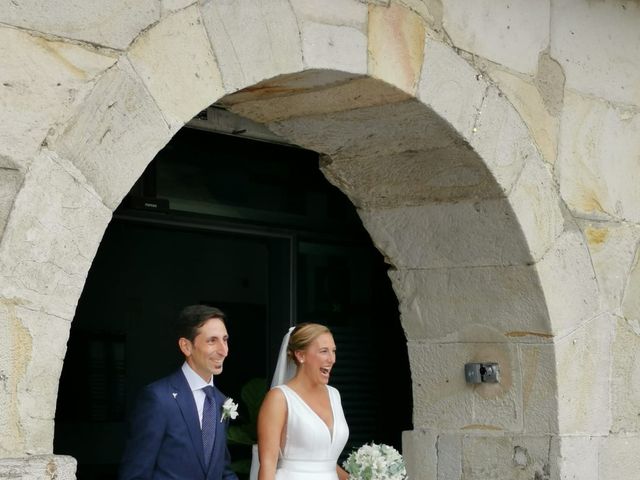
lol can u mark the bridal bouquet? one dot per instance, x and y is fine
(375, 462)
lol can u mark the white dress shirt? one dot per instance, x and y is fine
(196, 383)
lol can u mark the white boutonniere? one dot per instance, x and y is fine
(229, 410)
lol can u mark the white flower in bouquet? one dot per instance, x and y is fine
(375, 462)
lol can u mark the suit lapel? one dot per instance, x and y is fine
(187, 405)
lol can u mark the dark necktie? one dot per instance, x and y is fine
(208, 423)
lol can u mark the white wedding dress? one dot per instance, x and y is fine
(311, 450)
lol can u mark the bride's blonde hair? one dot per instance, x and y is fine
(302, 336)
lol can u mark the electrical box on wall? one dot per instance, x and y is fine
(482, 373)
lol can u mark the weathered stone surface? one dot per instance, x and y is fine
(310, 94)
(597, 45)
(501, 138)
(511, 33)
(51, 237)
(252, 41)
(112, 24)
(580, 357)
(577, 457)
(625, 377)
(451, 87)
(419, 453)
(449, 457)
(598, 159)
(115, 134)
(612, 247)
(412, 177)
(567, 278)
(42, 80)
(396, 46)
(539, 388)
(42, 467)
(436, 235)
(530, 104)
(442, 304)
(631, 298)
(446, 401)
(619, 457)
(537, 206)
(175, 61)
(169, 6)
(334, 36)
(10, 182)
(37, 393)
(513, 458)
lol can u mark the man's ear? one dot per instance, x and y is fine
(185, 346)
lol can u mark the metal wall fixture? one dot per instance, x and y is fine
(482, 372)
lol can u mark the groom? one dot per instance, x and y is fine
(177, 430)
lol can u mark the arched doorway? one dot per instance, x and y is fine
(253, 228)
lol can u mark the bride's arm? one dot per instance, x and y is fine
(342, 474)
(271, 421)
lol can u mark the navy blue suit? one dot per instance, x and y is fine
(165, 439)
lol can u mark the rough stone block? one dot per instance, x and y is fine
(501, 139)
(625, 377)
(41, 467)
(460, 304)
(597, 45)
(597, 166)
(511, 33)
(514, 458)
(612, 248)
(583, 365)
(115, 134)
(577, 457)
(537, 207)
(311, 95)
(169, 6)
(631, 298)
(396, 46)
(451, 87)
(51, 237)
(619, 457)
(419, 453)
(42, 81)
(333, 37)
(252, 40)
(175, 61)
(449, 457)
(111, 24)
(569, 283)
(539, 388)
(437, 235)
(411, 177)
(10, 183)
(444, 401)
(531, 105)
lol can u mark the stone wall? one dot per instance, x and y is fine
(491, 148)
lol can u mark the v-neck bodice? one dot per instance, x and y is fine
(311, 449)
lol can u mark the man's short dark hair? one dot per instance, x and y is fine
(191, 318)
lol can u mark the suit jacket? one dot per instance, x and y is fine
(165, 438)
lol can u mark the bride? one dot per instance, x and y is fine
(301, 425)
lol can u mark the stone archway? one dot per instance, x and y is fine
(442, 169)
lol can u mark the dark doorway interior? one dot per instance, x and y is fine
(255, 229)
